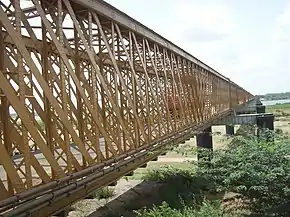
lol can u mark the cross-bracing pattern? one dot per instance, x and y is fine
(79, 88)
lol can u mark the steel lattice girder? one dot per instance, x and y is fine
(82, 83)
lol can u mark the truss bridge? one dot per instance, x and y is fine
(87, 95)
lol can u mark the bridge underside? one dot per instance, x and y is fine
(88, 94)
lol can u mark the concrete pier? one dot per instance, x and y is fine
(265, 121)
(230, 130)
(204, 141)
(261, 109)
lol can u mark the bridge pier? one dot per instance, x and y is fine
(204, 143)
(230, 130)
(252, 113)
(261, 109)
(265, 121)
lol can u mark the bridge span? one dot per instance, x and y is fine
(88, 94)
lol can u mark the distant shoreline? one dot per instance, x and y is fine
(274, 99)
(276, 102)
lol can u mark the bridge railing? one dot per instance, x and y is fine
(82, 83)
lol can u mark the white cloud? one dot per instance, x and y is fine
(282, 32)
(250, 46)
(213, 16)
(280, 75)
(284, 18)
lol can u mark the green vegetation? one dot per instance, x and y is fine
(140, 173)
(105, 193)
(279, 110)
(279, 106)
(41, 124)
(207, 209)
(256, 171)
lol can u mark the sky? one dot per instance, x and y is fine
(245, 40)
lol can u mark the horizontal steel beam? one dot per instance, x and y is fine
(243, 119)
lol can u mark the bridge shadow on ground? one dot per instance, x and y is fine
(145, 194)
(177, 190)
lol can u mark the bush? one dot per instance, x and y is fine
(167, 173)
(258, 169)
(180, 186)
(105, 193)
(207, 209)
(278, 131)
(255, 168)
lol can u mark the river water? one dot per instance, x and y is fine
(274, 102)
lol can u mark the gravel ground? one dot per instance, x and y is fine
(88, 207)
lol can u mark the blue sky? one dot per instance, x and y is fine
(247, 41)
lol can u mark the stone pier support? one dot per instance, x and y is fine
(204, 140)
(230, 130)
(265, 121)
(260, 108)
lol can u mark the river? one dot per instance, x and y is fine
(274, 102)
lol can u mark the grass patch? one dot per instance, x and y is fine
(206, 209)
(179, 153)
(279, 106)
(105, 193)
(279, 110)
(140, 173)
(166, 172)
(181, 194)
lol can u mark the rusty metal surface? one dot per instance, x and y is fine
(82, 83)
